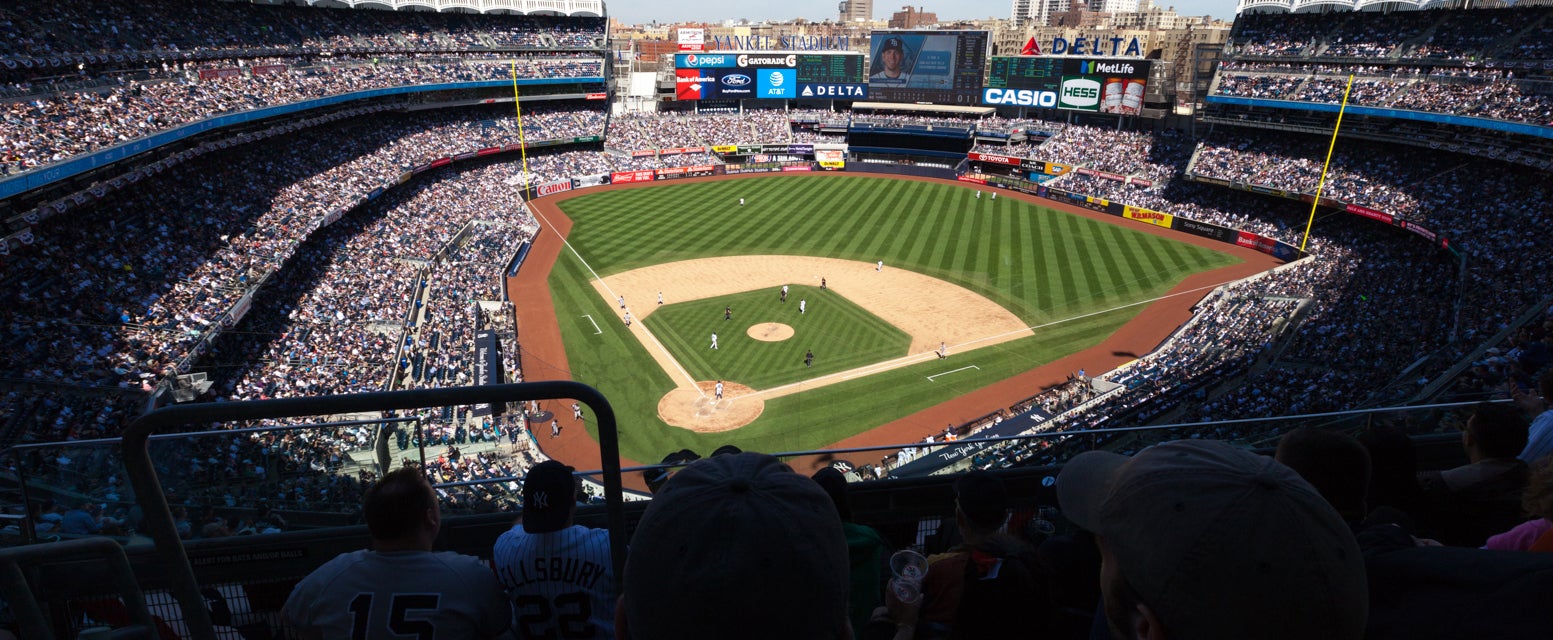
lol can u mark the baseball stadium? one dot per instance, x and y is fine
(449, 319)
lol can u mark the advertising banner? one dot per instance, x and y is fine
(554, 187)
(831, 158)
(1369, 213)
(466, 156)
(692, 39)
(798, 167)
(670, 173)
(1140, 182)
(1144, 215)
(1205, 229)
(971, 178)
(488, 151)
(927, 66)
(993, 158)
(724, 148)
(644, 153)
(228, 72)
(440, 162)
(266, 69)
(622, 177)
(600, 95)
(1430, 235)
(700, 170)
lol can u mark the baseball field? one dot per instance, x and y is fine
(972, 291)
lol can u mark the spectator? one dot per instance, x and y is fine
(82, 520)
(737, 546)
(1470, 502)
(1189, 523)
(1539, 440)
(1334, 463)
(1537, 500)
(526, 555)
(975, 590)
(867, 550)
(400, 583)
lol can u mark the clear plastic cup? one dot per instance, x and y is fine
(908, 568)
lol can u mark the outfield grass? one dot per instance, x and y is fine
(1043, 265)
(843, 336)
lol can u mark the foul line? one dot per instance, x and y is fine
(596, 278)
(930, 378)
(596, 329)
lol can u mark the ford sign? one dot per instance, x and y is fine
(736, 80)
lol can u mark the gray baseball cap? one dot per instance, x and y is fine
(1220, 542)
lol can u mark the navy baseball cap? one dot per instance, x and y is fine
(549, 493)
(893, 43)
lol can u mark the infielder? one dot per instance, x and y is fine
(367, 592)
(660, 298)
(802, 304)
(555, 570)
(784, 293)
(808, 358)
(717, 391)
(622, 300)
(880, 266)
(555, 428)
(628, 318)
(714, 341)
(577, 411)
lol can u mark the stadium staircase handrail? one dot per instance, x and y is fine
(159, 521)
(1438, 384)
(29, 616)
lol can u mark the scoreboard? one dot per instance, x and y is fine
(943, 67)
(769, 75)
(1102, 85)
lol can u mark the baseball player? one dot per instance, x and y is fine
(622, 300)
(555, 428)
(741, 202)
(660, 298)
(714, 341)
(371, 593)
(784, 293)
(727, 313)
(943, 350)
(994, 195)
(557, 574)
(802, 304)
(822, 284)
(880, 266)
(628, 318)
(978, 194)
(717, 391)
(808, 358)
(577, 411)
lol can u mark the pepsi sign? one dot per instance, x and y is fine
(703, 61)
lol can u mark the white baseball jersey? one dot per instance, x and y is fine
(427, 595)
(561, 583)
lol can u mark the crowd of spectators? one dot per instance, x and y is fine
(49, 129)
(1448, 35)
(1364, 174)
(1479, 92)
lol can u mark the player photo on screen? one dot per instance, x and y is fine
(913, 61)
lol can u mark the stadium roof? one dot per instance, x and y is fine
(570, 8)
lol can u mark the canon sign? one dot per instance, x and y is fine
(1080, 92)
(1019, 97)
(746, 60)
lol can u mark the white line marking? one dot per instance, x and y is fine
(930, 378)
(596, 329)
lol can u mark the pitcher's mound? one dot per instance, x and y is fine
(688, 409)
(769, 332)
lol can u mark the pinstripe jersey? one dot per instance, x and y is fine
(427, 595)
(561, 583)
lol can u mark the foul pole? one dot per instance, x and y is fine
(1320, 184)
(523, 144)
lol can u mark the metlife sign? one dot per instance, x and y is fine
(833, 91)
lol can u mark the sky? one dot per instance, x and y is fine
(646, 11)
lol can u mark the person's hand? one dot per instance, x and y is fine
(901, 612)
(1530, 403)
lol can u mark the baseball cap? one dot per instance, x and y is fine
(1221, 542)
(893, 43)
(728, 540)
(549, 492)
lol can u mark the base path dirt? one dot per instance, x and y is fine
(700, 411)
(544, 356)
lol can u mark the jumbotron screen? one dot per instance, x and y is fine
(943, 67)
(769, 74)
(1104, 85)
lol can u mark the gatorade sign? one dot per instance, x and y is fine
(1082, 94)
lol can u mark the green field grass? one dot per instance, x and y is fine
(842, 335)
(1043, 265)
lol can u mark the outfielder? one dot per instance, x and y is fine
(554, 570)
(714, 341)
(784, 293)
(741, 202)
(802, 304)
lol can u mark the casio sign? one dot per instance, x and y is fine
(1019, 97)
(1080, 92)
(736, 80)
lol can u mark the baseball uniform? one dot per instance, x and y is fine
(561, 583)
(718, 390)
(802, 305)
(714, 341)
(397, 594)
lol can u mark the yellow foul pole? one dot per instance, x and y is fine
(523, 144)
(1323, 182)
